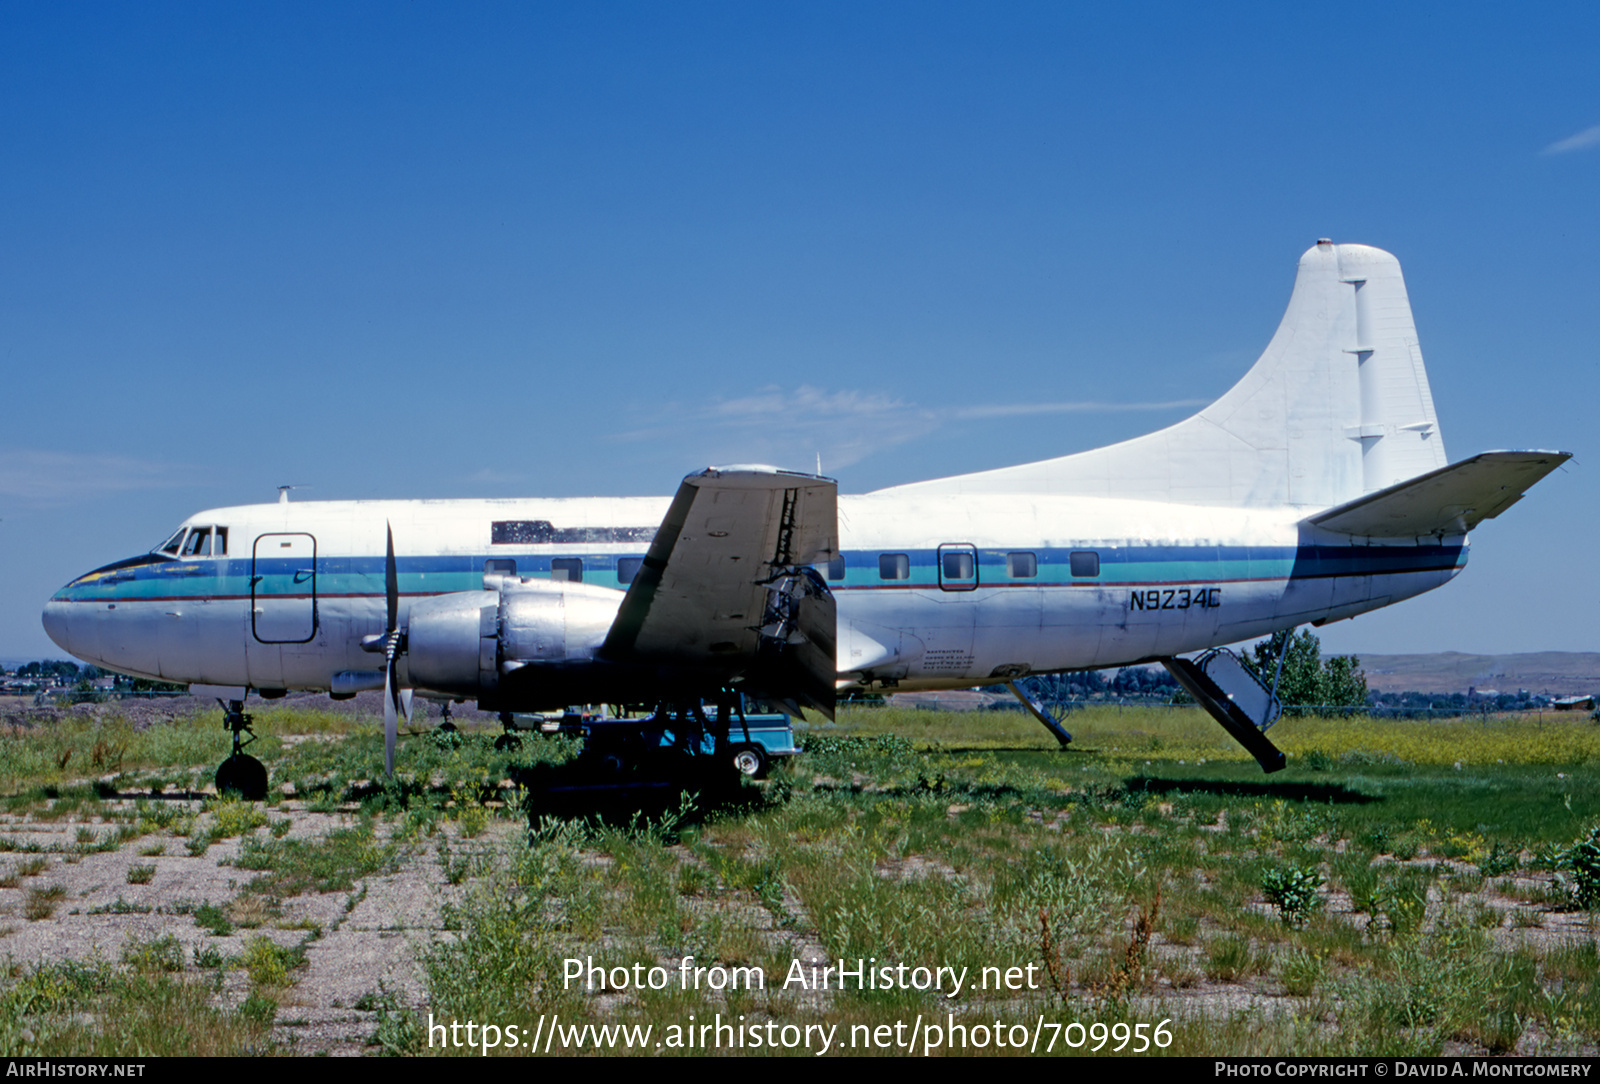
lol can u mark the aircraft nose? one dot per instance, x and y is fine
(57, 626)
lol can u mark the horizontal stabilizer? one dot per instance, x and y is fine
(1450, 500)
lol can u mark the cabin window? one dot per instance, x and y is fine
(1085, 563)
(499, 566)
(628, 568)
(567, 568)
(834, 569)
(894, 566)
(1022, 566)
(958, 566)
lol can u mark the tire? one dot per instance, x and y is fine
(507, 742)
(750, 761)
(244, 776)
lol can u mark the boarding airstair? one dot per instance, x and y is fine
(1234, 696)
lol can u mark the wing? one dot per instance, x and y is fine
(1450, 500)
(726, 589)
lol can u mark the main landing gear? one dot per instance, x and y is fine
(510, 740)
(241, 775)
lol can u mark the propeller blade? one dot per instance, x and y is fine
(396, 701)
(391, 699)
(391, 583)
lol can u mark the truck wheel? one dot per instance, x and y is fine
(750, 761)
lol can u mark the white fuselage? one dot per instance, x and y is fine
(938, 591)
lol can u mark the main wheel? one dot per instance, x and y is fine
(243, 776)
(507, 742)
(750, 761)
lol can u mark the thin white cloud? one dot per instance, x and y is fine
(788, 426)
(492, 476)
(774, 400)
(1013, 410)
(54, 478)
(1589, 137)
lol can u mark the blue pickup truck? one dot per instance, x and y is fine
(692, 737)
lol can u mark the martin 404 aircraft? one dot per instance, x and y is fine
(1316, 489)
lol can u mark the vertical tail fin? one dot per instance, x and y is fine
(1337, 406)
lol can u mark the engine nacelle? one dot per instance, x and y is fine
(464, 643)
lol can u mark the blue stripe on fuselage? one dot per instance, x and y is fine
(431, 575)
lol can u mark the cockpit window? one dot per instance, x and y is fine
(199, 544)
(219, 542)
(171, 545)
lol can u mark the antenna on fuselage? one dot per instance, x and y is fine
(283, 492)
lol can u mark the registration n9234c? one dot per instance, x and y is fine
(1175, 598)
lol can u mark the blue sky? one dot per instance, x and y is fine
(432, 250)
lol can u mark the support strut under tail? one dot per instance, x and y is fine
(1225, 710)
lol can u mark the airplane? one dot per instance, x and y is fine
(1316, 489)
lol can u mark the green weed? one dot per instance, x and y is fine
(209, 958)
(1302, 972)
(397, 1033)
(258, 1009)
(1294, 891)
(1232, 957)
(41, 903)
(268, 963)
(155, 954)
(1583, 860)
(210, 917)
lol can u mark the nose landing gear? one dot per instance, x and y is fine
(241, 775)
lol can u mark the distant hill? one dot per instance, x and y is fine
(1558, 673)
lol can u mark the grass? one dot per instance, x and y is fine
(41, 903)
(332, 863)
(78, 743)
(1405, 905)
(1128, 869)
(74, 1009)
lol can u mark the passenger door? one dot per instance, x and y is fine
(283, 589)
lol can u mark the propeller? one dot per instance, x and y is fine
(396, 701)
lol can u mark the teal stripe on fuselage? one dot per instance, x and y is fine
(364, 576)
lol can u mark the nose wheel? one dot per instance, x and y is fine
(241, 775)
